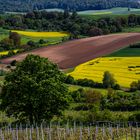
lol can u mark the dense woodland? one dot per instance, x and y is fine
(72, 23)
(79, 5)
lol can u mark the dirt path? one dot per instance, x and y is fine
(73, 53)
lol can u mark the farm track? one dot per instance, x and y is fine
(73, 53)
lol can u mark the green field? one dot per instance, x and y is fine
(132, 29)
(75, 87)
(126, 52)
(114, 11)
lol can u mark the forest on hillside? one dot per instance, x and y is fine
(78, 5)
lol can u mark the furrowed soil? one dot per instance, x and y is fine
(73, 53)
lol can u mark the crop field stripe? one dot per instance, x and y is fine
(125, 69)
(72, 53)
(41, 34)
(6, 52)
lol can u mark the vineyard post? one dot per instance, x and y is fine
(16, 132)
(74, 127)
(67, 129)
(42, 133)
(30, 133)
(126, 135)
(50, 137)
(64, 136)
(2, 135)
(81, 133)
(13, 133)
(37, 131)
(58, 134)
(88, 132)
(103, 131)
(26, 132)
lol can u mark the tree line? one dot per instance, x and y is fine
(78, 5)
(65, 21)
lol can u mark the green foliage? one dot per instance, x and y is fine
(135, 117)
(117, 101)
(10, 53)
(135, 86)
(23, 5)
(13, 63)
(41, 41)
(95, 32)
(93, 97)
(34, 91)
(108, 80)
(137, 45)
(78, 95)
(7, 44)
(16, 38)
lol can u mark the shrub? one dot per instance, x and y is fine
(41, 41)
(135, 45)
(10, 53)
(70, 80)
(135, 117)
(13, 63)
(85, 82)
(78, 95)
(31, 43)
(95, 31)
(134, 86)
(93, 96)
(108, 80)
(83, 107)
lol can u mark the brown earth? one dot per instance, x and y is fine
(73, 53)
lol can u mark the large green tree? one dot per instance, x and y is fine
(34, 91)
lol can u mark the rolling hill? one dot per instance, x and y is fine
(73, 53)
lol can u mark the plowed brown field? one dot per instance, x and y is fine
(72, 53)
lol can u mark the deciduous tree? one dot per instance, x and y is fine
(34, 91)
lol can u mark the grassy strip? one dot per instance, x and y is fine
(126, 52)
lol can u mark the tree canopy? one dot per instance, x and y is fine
(34, 91)
(108, 80)
(27, 5)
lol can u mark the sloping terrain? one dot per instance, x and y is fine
(124, 69)
(73, 53)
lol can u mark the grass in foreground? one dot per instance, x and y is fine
(125, 69)
(75, 87)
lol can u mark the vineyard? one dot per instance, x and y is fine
(125, 69)
(94, 131)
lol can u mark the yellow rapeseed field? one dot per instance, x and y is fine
(125, 69)
(6, 52)
(41, 34)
